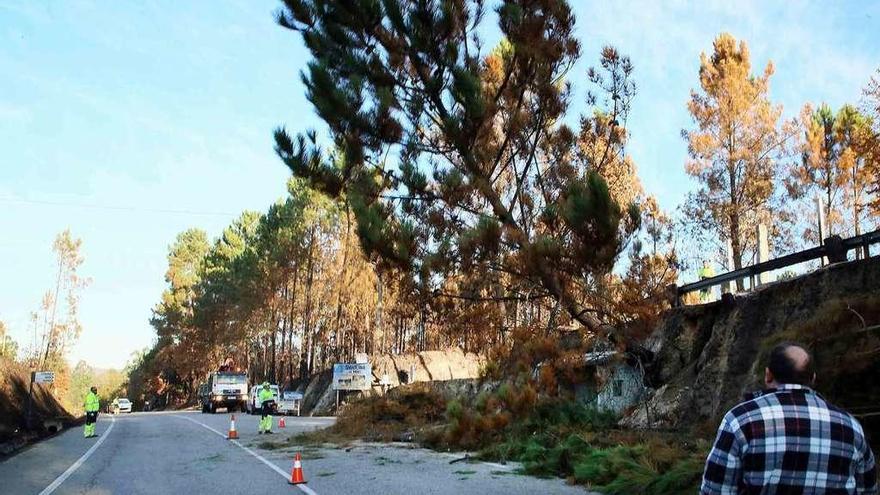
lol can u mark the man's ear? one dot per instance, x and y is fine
(768, 377)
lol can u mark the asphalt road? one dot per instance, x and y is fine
(187, 453)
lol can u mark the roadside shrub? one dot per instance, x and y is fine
(623, 470)
(454, 410)
(681, 478)
(490, 371)
(384, 418)
(558, 460)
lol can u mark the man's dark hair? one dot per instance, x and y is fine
(787, 370)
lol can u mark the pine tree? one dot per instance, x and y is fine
(871, 143)
(836, 162)
(734, 148)
(451, 159)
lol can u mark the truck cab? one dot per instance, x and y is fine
(224, 389)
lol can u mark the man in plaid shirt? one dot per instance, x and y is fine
(789, 440)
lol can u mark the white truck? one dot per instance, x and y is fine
(227, 389)
(286, 403)
(290, 402)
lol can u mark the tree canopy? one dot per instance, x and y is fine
(735, 148)
(453, 159)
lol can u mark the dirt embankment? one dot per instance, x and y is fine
(706, 357)
(47, 413)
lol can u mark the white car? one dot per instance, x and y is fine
(120, 406)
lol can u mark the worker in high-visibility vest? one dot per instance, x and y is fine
(267, 402)
(706, 272)
(92, 405)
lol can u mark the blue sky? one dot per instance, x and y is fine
(130, 121)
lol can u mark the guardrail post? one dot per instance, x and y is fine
(731, 285)
(820, 214)
(673, 296)
(763, 253)
(834, 248)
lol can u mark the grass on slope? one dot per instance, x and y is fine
(14, 383)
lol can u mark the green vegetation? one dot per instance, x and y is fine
(551, 437)
(525, 420)
(567, 439)
(109, 383)
(456, 162)
(8, 346)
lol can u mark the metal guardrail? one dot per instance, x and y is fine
(834, 248)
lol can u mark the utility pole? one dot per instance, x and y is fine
(27, 421)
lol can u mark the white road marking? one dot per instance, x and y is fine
(79, 462)
(303, 488)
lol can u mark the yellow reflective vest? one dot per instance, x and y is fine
(266, 394)
(706, 272)
(93, 402)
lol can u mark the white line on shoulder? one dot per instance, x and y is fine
(79, 462)
(303, 488)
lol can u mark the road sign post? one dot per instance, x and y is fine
(43, 377)
(351, 376)
(36, 377)
(27, 419)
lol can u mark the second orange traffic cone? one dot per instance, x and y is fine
(296, 475)
(232, 433)
(281, 422)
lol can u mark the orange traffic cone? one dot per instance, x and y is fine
(296, 475)
(281, 422)
(232, 433)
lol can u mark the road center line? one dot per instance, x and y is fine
(303, 488)
(79, 462)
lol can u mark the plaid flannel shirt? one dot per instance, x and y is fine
(789, 440)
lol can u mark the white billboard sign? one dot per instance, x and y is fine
(44, 376)
(357, 376)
